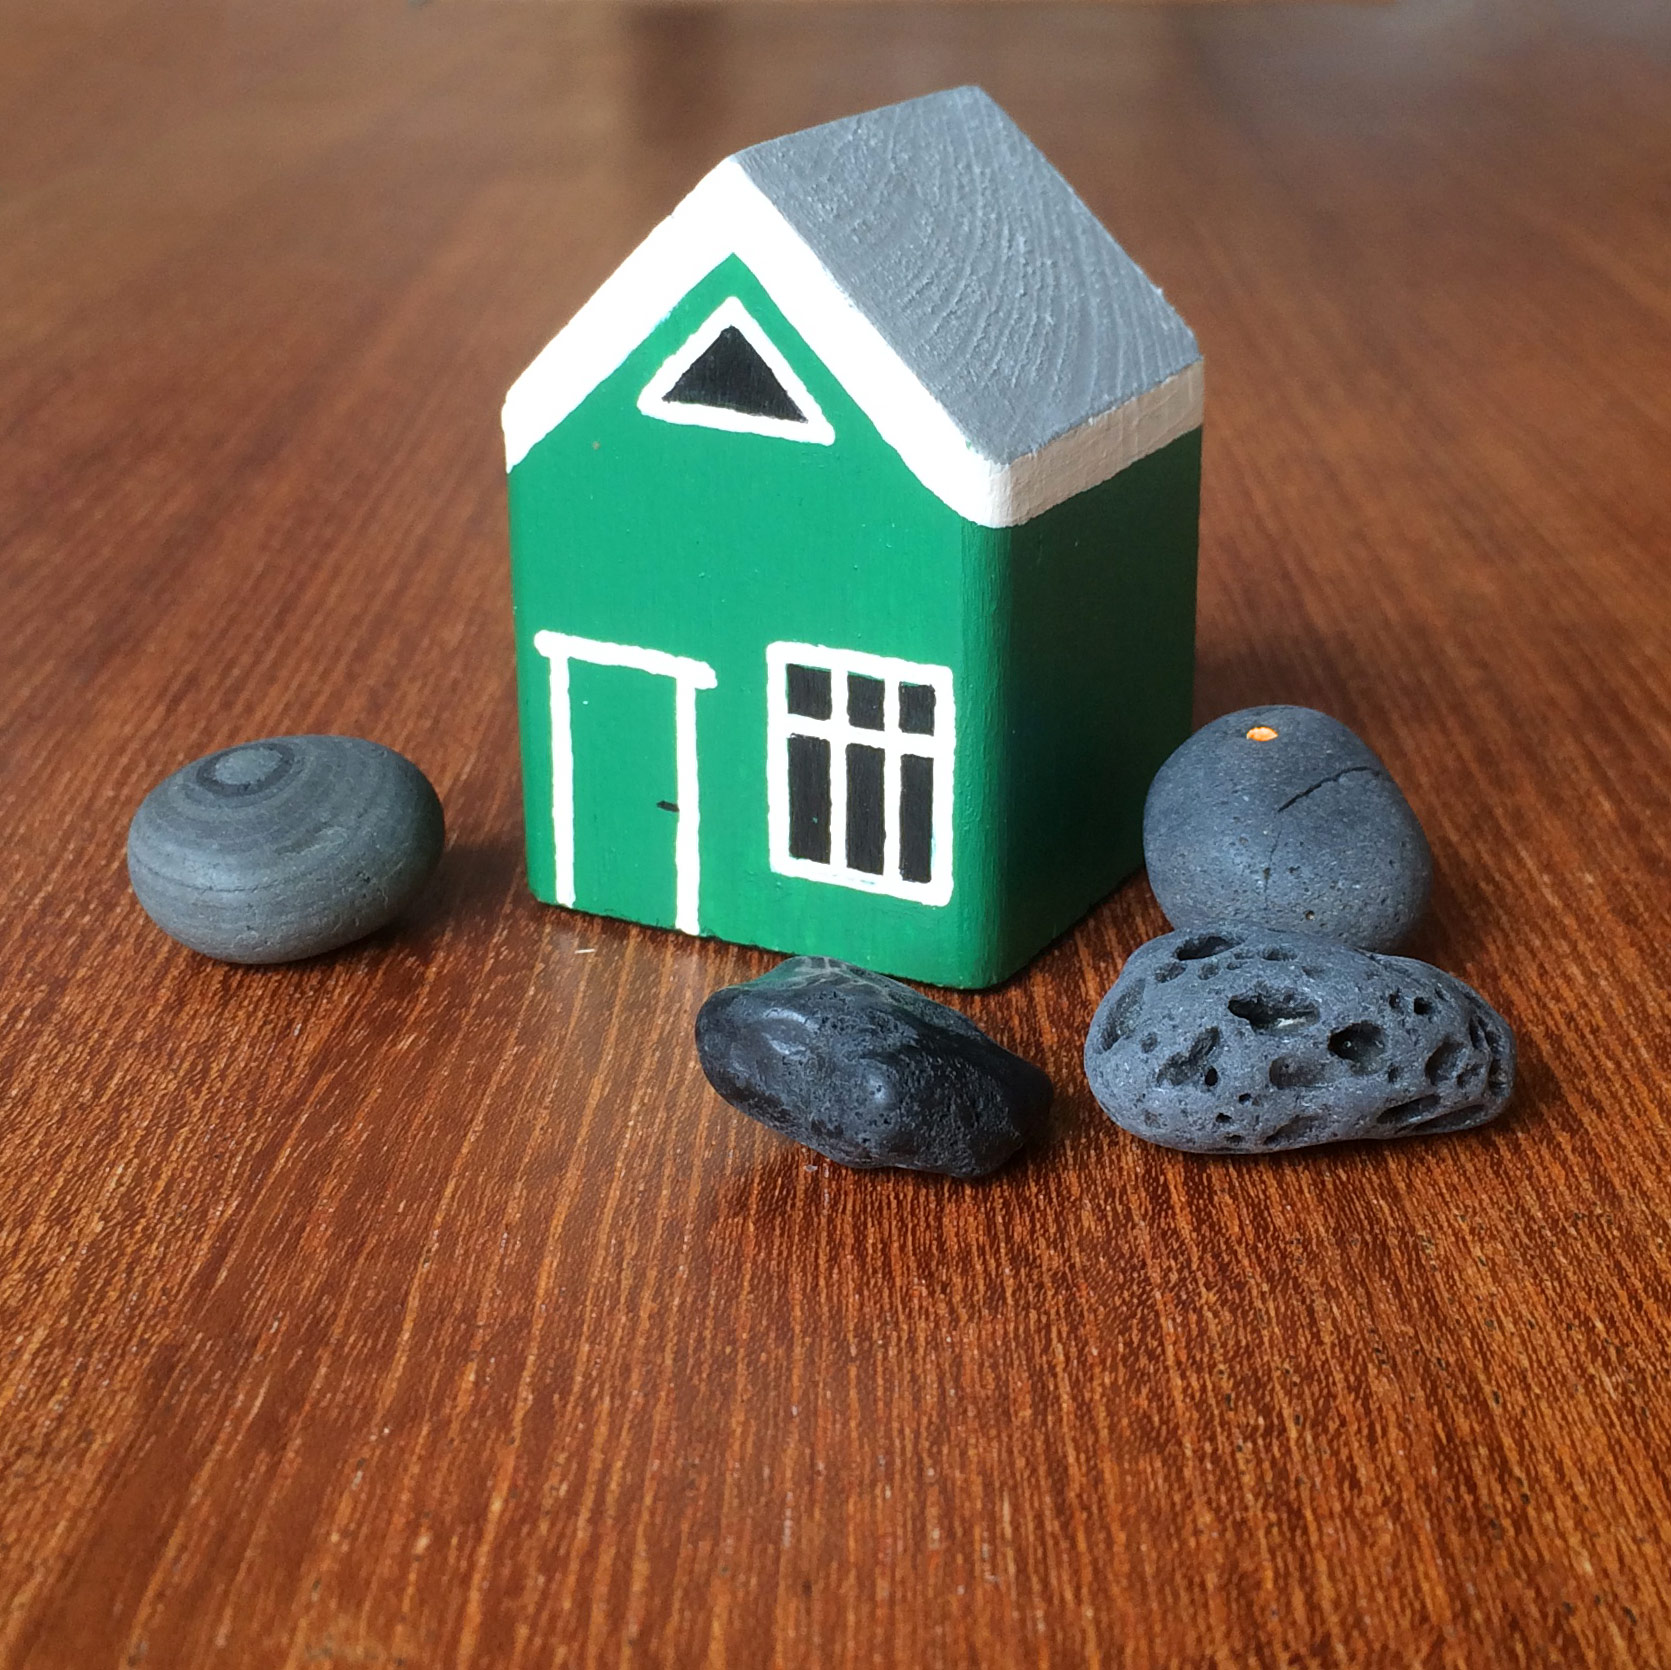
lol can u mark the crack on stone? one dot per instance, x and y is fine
(1347, 772)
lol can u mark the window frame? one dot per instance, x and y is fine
(653, 401)
(940, 747)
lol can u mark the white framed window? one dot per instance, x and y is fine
(728, 374)
(859, 755)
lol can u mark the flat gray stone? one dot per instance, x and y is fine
(867, 1071)
(1283, 816)
(285, 847)
(1237, 1039)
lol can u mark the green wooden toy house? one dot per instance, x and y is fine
(853, 530)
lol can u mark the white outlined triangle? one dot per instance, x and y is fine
(731, 314)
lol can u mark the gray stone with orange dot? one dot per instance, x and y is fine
(285, 847)
(1283, 816)
(1234, 1039)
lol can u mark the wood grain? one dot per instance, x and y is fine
(419, 1306)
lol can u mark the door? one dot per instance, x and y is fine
(626, 793)
(625, 809)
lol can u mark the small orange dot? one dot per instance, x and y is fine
(1261, 733)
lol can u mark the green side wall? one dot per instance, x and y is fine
(1069, 639)
(1097, 670)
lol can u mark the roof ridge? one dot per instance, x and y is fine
(1043, 324)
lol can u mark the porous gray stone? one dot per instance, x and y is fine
(1283, 816)
(867, 1071)
(285, 847)
(1236, 1039)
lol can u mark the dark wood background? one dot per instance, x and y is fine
(420, 1306)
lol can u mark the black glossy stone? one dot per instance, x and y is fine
(1234, 1039)
(1282, 815)
(285, 847)
(867, 1071)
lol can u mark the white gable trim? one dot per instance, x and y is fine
(727, 214)
(653, 402)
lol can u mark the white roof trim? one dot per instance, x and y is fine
(727, 214)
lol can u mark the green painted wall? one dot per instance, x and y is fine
(1097, 672)
(709, 544)
(1069, 641)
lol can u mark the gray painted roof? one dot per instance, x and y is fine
(978, 264)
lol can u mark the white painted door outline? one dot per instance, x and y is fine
(689, 676)
(928, 737)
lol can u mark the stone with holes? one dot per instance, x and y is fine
(1281, 815)
(285, 847)
(867, 1071)
(1233, 1040)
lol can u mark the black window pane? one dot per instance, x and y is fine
(730, 373)
(809, 692)
(916, 709)
(809, 798)
(864, 808)
(864, 701)
(916, 817)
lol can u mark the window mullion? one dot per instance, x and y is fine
(890, 740)
(838, 733)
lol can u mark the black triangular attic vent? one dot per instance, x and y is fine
(729, 373)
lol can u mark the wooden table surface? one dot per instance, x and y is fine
(420, 1305)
